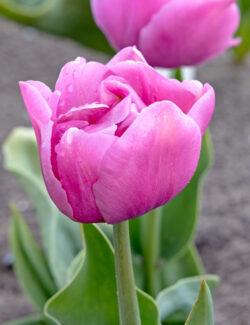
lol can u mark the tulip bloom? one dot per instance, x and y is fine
(117, 140)
(170, 33)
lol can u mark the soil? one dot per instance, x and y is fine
(224, 229)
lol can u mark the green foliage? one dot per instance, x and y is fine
(176, 302)
(188, 264)
(202, 312)
(94, 289)
(30, 264)
(244, 31)
(92, 279)
(72, 19)
(22, 159)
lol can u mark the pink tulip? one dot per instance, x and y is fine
(170, 33)
(117, 140)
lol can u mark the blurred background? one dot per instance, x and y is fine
(224, 228)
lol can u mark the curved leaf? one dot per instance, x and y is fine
(22, 159)
(202, 312)
(94, 289)
(30, 263)
(187, 265)
(243, 48)
(176, 302)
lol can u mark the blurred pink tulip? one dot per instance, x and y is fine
(117, 140)
(170, 33)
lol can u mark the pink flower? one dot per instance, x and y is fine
(170, 33)
(117, 140)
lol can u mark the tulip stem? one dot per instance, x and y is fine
(177, 74)
(127, 298)
(150, 239)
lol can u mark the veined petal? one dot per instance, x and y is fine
(121, 20)
(149, 164)
(89, 113)
(40, 115)
(78, 84)
(203, 109)
(79, 155)
(189, 32)
(129, 53)
(150, 86)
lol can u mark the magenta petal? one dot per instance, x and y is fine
(149, 164)
(79, 155)
(75, 86)
(37, 106)
(43, 89)
(114, 88)
(129, 53)
(150, 86)
(40, 115)
(90, 113)
(121, 20)
(189, 32)
(203, 109)
(118, 113)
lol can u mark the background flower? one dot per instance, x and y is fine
(170, 33)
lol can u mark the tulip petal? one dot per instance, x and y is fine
(129, 53)
(203, 109)
(149, 164)
(40, 114)
(79, 155)
(89, 113)
(121, 20)
(189, 33)
(75, 85)
(152, 86)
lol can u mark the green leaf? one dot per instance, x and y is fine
(33, 320)
(243, 48)
(187, 265)
(176, 302)
(202, 312)
(72, 19)
(22, 159)
(94, 289)
(180, 214)
(30, 264)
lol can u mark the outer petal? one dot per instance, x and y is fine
(52, 98)
(78, 83)
(189, 32)
(40, 114)
(203, 109)
(149, 164)
(152, 86)
(121, 20)
(79, 155)
(129, 53)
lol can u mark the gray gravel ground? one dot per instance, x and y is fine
(224, 230)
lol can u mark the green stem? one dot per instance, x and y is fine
(128, 303)
(177, 74)
(150, 238)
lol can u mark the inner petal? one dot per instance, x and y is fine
(90, 113)
(115, 88)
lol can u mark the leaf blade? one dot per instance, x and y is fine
(30, 263)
